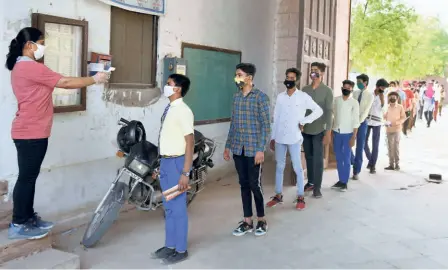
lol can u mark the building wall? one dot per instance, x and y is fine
(80, 162)
(342, 44)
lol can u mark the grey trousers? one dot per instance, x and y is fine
(393, 145)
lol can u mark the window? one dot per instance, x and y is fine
(133, 46)
(66, 53)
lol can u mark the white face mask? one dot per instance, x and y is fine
(39, 53)
(168, 91)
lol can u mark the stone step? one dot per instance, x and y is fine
(48, 259)
(13, 249)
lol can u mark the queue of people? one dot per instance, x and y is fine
(309, 118)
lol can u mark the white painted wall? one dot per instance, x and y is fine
(342, 44)
(80, 162)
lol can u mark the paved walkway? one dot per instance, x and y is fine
(389, 220)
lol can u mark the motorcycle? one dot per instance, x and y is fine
(142, 187)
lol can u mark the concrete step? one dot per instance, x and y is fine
(5, 214)
(13, 249)
(48, 259)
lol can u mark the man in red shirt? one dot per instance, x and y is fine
(408, 106)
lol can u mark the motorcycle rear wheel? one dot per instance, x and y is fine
(106, 215)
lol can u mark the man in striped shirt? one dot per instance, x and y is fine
(374, 123)
(248, 136)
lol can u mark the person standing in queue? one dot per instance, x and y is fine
(247, 139)
(394, 118)
(374, 123)
(176, 147)
(345, 127)
(365, 100)
(33, 84)
(289, 118)
(318, 133)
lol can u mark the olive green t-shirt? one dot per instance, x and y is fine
(323, 96)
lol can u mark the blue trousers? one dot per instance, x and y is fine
(176, 218)
(295, 151)
(360, 143)
(342, 150)
(372, 156)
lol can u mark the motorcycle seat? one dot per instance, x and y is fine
(198, 137)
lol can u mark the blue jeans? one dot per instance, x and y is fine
(176, 218)
(342, 150)
(295, 151)
(360, 143)
(373, 156)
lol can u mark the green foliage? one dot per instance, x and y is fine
(390, 39)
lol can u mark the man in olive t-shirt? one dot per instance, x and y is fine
(318, 133)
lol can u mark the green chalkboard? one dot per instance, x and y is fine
(211, 72)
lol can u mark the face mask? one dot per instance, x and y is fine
(380, 91)
(168, 91)
(346, 92)
(393, 100)
(239, 82)
(289, 84)
(314, 75)
(360, 86)
(39, 53)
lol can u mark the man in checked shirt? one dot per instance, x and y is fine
(248, 135)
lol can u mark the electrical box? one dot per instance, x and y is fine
(103, 60)
(173, 65)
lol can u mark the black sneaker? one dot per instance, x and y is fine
(397, 167)
(309, 187)
(262, 228)
(372, 170)
(177, 257)
(243, 228)
(369, 166)
(390, 168)
(337, 185)
(343, 188)
(317, 194)
(163, 253)
(355, 177)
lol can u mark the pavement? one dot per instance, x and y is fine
(389, 220)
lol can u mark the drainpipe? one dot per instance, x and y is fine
(349, 33)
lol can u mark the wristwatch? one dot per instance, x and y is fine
(187, 174)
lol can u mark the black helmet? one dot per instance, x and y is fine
(131, 134)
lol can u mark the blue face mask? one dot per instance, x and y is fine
(360, 86)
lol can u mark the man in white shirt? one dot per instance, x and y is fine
(289, 117)
(374, 123)
(345, 127)
(437, 95)
(365, 101)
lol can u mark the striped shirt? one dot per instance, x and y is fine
(250, 124)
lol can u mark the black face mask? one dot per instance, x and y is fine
(380, 91)
(346, 92)
(289, 84)
(392, 100)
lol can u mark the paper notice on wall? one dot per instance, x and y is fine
(153, 7)
(181, 69)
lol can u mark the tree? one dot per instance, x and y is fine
(378, 34)
(390, 40)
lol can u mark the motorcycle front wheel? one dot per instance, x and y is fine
(106, 215)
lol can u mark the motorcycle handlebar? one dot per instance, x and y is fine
(124, 121)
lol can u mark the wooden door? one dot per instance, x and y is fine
(317, 30)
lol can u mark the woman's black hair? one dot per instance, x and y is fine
(16, 47)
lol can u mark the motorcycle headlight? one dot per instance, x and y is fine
(138, 167)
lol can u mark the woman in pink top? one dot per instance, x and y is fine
(33, 84)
